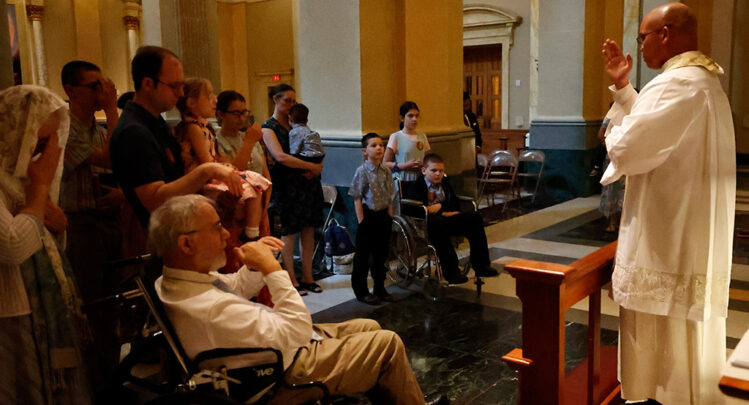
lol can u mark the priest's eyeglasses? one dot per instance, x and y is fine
(641, 37)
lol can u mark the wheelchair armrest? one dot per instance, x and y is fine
(413, 208)
(412, 202)
(239, 381)
(467, 204)
(277, 374)
(234, 351)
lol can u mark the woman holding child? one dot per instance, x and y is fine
(297, 192)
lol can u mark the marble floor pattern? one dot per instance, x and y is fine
(455, 343)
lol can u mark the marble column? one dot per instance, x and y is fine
(6, 64)
(151, 22)
(198, 39)
(36, 14)
(559, 87)
(132, 24)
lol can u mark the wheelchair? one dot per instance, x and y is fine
(413, 258)
(218, 376)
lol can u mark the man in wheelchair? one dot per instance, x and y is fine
(210, 310)
(445, 220)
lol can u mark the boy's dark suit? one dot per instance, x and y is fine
(441, 229)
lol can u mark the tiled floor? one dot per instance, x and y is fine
(455, 343)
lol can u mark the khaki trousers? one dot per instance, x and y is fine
(354, 357)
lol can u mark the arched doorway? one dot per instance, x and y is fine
(487, 38)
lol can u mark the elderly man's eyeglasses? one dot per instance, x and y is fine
(239, 113)
(92, 85)
(216, 227)
(175, 86)
(641, 37)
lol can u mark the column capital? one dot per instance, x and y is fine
(131, 22)
(35, 12)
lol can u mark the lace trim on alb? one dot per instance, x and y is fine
(685, 289)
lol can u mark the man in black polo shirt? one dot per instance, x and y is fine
(146, 159)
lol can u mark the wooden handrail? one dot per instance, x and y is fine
(547, 291)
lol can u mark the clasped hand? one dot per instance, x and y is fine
(259, 255)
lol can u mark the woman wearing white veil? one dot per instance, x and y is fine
(40, 319)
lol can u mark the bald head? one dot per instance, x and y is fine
(667, 31)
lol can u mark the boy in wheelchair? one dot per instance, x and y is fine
(432, 188)
(210, 311)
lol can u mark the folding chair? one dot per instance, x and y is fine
(500, 171)
(532, 156)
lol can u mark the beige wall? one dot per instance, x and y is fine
(232, 45)
(434, 62)
(270, 49)
(382, 64)
(256, 40)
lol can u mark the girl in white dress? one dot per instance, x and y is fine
(407, 147)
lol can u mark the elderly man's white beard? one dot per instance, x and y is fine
(218, 262)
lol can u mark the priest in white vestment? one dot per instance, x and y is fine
(675, 143)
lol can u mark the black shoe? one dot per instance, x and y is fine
(457, 279)
(485, 272)
(369, 299)
(441, 400)
(383, 295)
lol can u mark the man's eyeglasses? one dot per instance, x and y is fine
(239, 113)
(641, 37)
(216, 227)
(175, 86)
(92, 85)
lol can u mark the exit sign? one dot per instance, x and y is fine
(276, 78)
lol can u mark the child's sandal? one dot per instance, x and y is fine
(301, 290)
(313, 287)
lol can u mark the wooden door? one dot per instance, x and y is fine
(482, 78)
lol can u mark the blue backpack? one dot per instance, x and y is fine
(337, 240)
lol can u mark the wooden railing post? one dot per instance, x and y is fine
(546, 291)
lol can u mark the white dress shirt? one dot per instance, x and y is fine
(676, 147)
(206, 317)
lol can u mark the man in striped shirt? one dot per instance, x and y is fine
(93, 234)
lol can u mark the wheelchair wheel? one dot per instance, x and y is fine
(402, 264)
